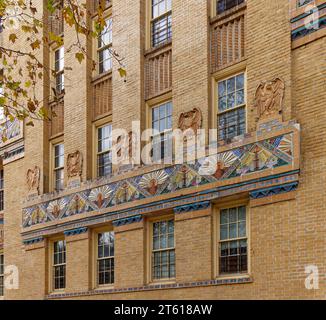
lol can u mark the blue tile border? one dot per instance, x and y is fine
(33, 241)
(192, 207)
(75, 232)
(202, 196)
(262, 193)
(126, 221)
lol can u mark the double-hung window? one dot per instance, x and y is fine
(163, 250)
(161, 22)
(104, 45)
(105, 258)
(58, 169)
(162, 131)
(104, 150)
(59, 265)
(231, 107)
(233, 241)
(59, 70)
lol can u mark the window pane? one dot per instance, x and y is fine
(233, 253)
(161, 30)
(232, 124)
(163, 256)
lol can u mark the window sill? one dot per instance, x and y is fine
(104, 287)
(57, 292)
(158, 48)
(162, 282)
(102, 76)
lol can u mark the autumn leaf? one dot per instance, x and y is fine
(13, 37)
(122, 72)
(80, 57)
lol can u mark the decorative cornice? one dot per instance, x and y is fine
(125, 221)
(29, 242)
(208, 195)
(75, 232)
(192, 207)
(262, 193)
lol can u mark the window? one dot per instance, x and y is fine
(59, 265)
(1, 191)
(2, 271)
(224, 5)
(105, 258)
(302, 3)
(59, 70)
(231, 107)
(104, 48)
(59, 167)
(233, 244)
(163, 250)
(104, 150)
(161, 22)
(162, 138)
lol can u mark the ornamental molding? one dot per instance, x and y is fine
(74, 164)
(30, 242)
(126, 221)
(33, 180)
(75, 232)
(267, 192)
(191, 120)
(235, 167)
(269, 98)
(192, 207)
(169, 204)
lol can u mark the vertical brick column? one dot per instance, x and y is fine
(130, 254)
(79, 262)
(268, 47)
(190, 64)
(193, 236)
(36, 250)
(128, 42)
(76, 114)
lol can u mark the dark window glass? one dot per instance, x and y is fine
(162, 125)
(104, 44)
(105, 258)
(59, 265)
(59, 167)
(233, 254)
(104, 153)
(161, 22)
(59, 70)
(163, 250)
(231, 107)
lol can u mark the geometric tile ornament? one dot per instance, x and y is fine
(244, 160)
